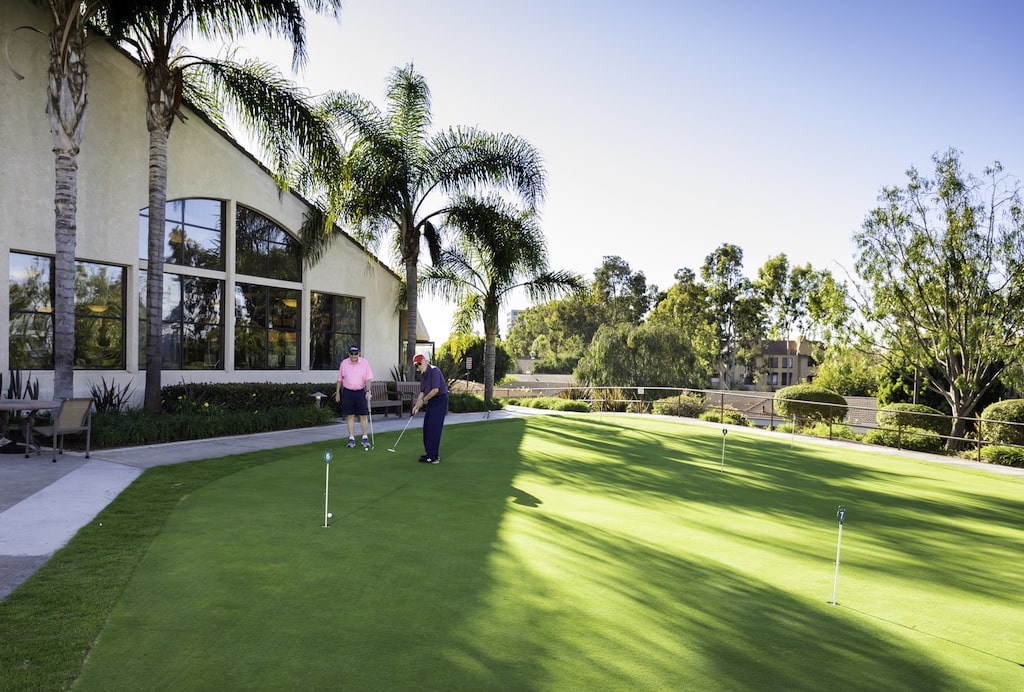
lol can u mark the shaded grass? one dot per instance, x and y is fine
(560, 553)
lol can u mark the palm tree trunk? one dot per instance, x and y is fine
(409, 241)
(410, 321)
(65, 204)
(155, 268)
(160, 89)
(490, 356)
(66, 104)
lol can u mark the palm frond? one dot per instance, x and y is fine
(467, 158)
(286, 122)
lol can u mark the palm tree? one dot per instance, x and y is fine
(400, 178)
(285, 122)
(499, 249)
(66, 107)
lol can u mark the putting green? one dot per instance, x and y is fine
(576, 552)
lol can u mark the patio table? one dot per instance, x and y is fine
(32, 406)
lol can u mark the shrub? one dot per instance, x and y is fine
(1003, 456)
(808, 401)
(687, 405)
(465, 402)
(1000, 433)
(732, 417)
(823, 429)
(110, 429)
(200, 397)
(550, 403)
(913, 416)
(915, 439)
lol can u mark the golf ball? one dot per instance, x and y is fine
(330, 515)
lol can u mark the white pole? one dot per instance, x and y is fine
(841, 515)
(725, 432)
(327, 485)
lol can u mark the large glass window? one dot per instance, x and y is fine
(193, 235)
(335, 323)
(263, 248)
(266, 328)
(191, 328)
(99, 314)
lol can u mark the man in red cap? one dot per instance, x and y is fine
(434, 396)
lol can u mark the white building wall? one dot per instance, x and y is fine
(112, 188)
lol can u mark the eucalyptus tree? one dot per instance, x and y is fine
(737, 310)
(285, 122)
(498, 249)
(942, 261)
(625, 293)
(401, 180)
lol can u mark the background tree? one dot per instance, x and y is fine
(498, 249)
(785, 294)
(624, 293)
(400, 179)
(451, 358)
(942, 260)
(850, 371)
(645, 355)
(737, 311)
(685, 308)
(555, 333)
(286, 124)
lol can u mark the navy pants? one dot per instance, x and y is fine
(433, 423)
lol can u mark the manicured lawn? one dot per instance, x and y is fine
(550, 553)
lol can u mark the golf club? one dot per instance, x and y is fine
(373, 441)
(391, 449)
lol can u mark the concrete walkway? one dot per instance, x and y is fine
(44, 504)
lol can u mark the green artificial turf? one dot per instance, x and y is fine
(575, 552)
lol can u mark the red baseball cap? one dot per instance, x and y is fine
(418, 358)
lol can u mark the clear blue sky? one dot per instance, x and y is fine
(669, 128)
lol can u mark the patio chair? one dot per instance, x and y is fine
(73, 416)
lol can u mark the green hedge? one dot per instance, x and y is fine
(249, 396)
(684, 405)
(111, 429)
(550, 403)
(913, 416)
(914, 439)
(833, 431)
(1009, 410)
(1004, 456)
(810, 402)
(732, 417)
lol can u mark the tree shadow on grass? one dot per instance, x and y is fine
(489, 572)
(924, 512)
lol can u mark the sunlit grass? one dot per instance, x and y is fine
(567, 553)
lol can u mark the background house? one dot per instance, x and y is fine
(780, 363)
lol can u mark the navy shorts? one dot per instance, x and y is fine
(353, 402)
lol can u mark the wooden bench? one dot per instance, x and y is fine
(380, 398)
(407, 392)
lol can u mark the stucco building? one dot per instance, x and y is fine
(239, 305)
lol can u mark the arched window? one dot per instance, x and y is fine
(267, 333)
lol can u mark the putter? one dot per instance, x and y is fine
(373, 440)
(391, 449)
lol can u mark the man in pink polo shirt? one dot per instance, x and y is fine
(353, 391)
